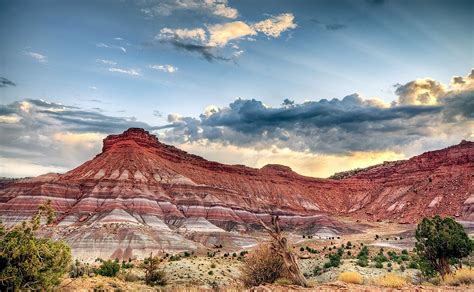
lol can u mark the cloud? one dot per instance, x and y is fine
(45, 136)
(275, 25)
(38, 57)
(197, 35)
(167, 7)
(208, 42)
(107, 62)
(427, 91)
(4, 82)
(132, 72)
(221, 34)
(335, 127)
(165, 68)
(92, 87)
(102, 45)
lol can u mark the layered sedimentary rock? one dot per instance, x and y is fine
(139, 195)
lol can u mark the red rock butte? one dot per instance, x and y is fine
(139, 194)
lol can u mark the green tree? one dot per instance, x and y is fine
(108, 268)
(28, 262)
(438, 241)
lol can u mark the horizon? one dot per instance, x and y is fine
(319, 86)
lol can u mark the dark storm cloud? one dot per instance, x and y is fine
(206, 52)
(4, 82)
(38, 131)
(326, 126)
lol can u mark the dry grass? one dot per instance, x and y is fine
(351, 277)
(391, 281)
(261, 266)
(459, 277)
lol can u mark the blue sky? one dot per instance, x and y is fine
(157, 62)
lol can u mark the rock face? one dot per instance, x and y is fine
(140, 195)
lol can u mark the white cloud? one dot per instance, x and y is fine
(275, 25)
(93, 87)
(38, 57)
(197, 34)
(165, 68)
(107, 62)
(427, 91)
(133, 72)
(118, 39)
(167, 7)
(102, 45)
(221, 34)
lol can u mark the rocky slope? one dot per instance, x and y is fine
(139, 194)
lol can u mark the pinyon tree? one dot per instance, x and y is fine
(438, 241)
(28, 262)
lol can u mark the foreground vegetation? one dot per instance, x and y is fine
(442, 256)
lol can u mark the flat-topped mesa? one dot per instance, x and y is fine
(137, 135)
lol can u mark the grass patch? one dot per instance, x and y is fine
(351, 277)
(460, 277)
(391, 281)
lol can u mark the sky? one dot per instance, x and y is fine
(320, 86)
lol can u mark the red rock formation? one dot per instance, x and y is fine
(140, 182)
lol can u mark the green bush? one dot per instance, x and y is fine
(413, 265)
(438, 241)
(363, 262)
(78, 269)
(28, 262)
(108, 268)
(379, 265)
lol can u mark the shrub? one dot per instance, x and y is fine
(210, 273)
(213, 266)
(402, 268)
(391, 281)
(28, 262)
(261, 266)
(379, 265)
(157, 277)
(153, 276)
(350, 277)
(362, 262)
(334, 261)
(108, 268)
(78, 269)
(317, 271)
(413, 265)
(404, 258)
(438, 240)
(460, 277)
(364, 252)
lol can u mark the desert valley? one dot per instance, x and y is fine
(236, 145)
(140, 196)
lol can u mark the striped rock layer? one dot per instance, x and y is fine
(139, 195)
